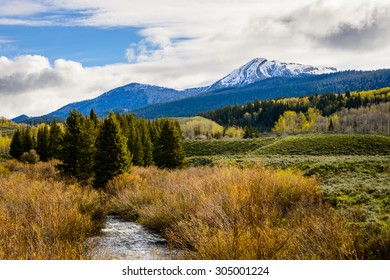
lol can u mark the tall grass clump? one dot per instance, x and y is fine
(43, 218)
(233, 213)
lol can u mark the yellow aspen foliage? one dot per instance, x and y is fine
(304, 124)
(287, 122)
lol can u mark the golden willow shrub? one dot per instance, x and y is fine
(42, 218)
(232, 213)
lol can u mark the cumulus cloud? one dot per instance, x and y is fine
(347, 25)
(32, 85)
(20, 7)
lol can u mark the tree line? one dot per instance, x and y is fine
(93, 150)
(263, 115)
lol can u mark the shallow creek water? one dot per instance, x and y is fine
(122, 240)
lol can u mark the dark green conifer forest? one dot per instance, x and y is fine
(95, 151)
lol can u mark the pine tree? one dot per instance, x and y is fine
(43, 142)
(248, 132)
(331, 125)
(154, 131)
(87, 150)
(169, 152)
(134, 143)
(94, 118)
(55, 138)
(112, 156)
(78, 147)
(70, 153)
(27, 140)
(146, 143)
(16, 148)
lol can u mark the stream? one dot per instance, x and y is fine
(123, 240)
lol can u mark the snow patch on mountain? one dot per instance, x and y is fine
(260, 68)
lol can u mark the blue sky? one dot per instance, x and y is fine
(91, 46)
(53, 52)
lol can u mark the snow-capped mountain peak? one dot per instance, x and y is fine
(260, 68)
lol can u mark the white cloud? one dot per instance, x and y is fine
(193, 43)
(32, 86)
(21, 7)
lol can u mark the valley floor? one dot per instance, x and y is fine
(294, 197)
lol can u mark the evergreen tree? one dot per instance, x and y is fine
(43, 142)
(87, 151)
(70, 153)
(331, 125)
(112, 156)
(248, 132)
(55, 138)
(134, 143)
(169, 151)
(154, 131)
(78, 147)
(16, 148)
(146, 143)
(27, 140)
(94, 118)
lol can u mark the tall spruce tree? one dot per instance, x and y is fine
(28, 139)
(16, 148)
(112, 156)
(134, 143)
(55, 138)
(78, 147)
(94, 118)
(169, 152)
(43, 142)
(88, 134)
(146, 142)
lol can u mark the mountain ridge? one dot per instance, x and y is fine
(142, 98)
(260, 69)
(125, 98)
(271, 88)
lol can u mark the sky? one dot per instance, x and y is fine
(53, 52)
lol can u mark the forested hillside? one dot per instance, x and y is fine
(361, 112)
(271, 88)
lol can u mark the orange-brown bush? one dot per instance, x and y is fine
(42, 218)
(232, 213)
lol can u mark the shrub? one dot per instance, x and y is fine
(30, 157)
(42, 218)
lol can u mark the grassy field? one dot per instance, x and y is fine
(225, 147)
(330, 144)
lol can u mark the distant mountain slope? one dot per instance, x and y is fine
(260, 69)
(20, 118)
(257, 79)
(126, 98)
(270, 88)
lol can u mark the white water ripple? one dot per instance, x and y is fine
(124, 240)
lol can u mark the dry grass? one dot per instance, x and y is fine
(232, 213)
(42, 218)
